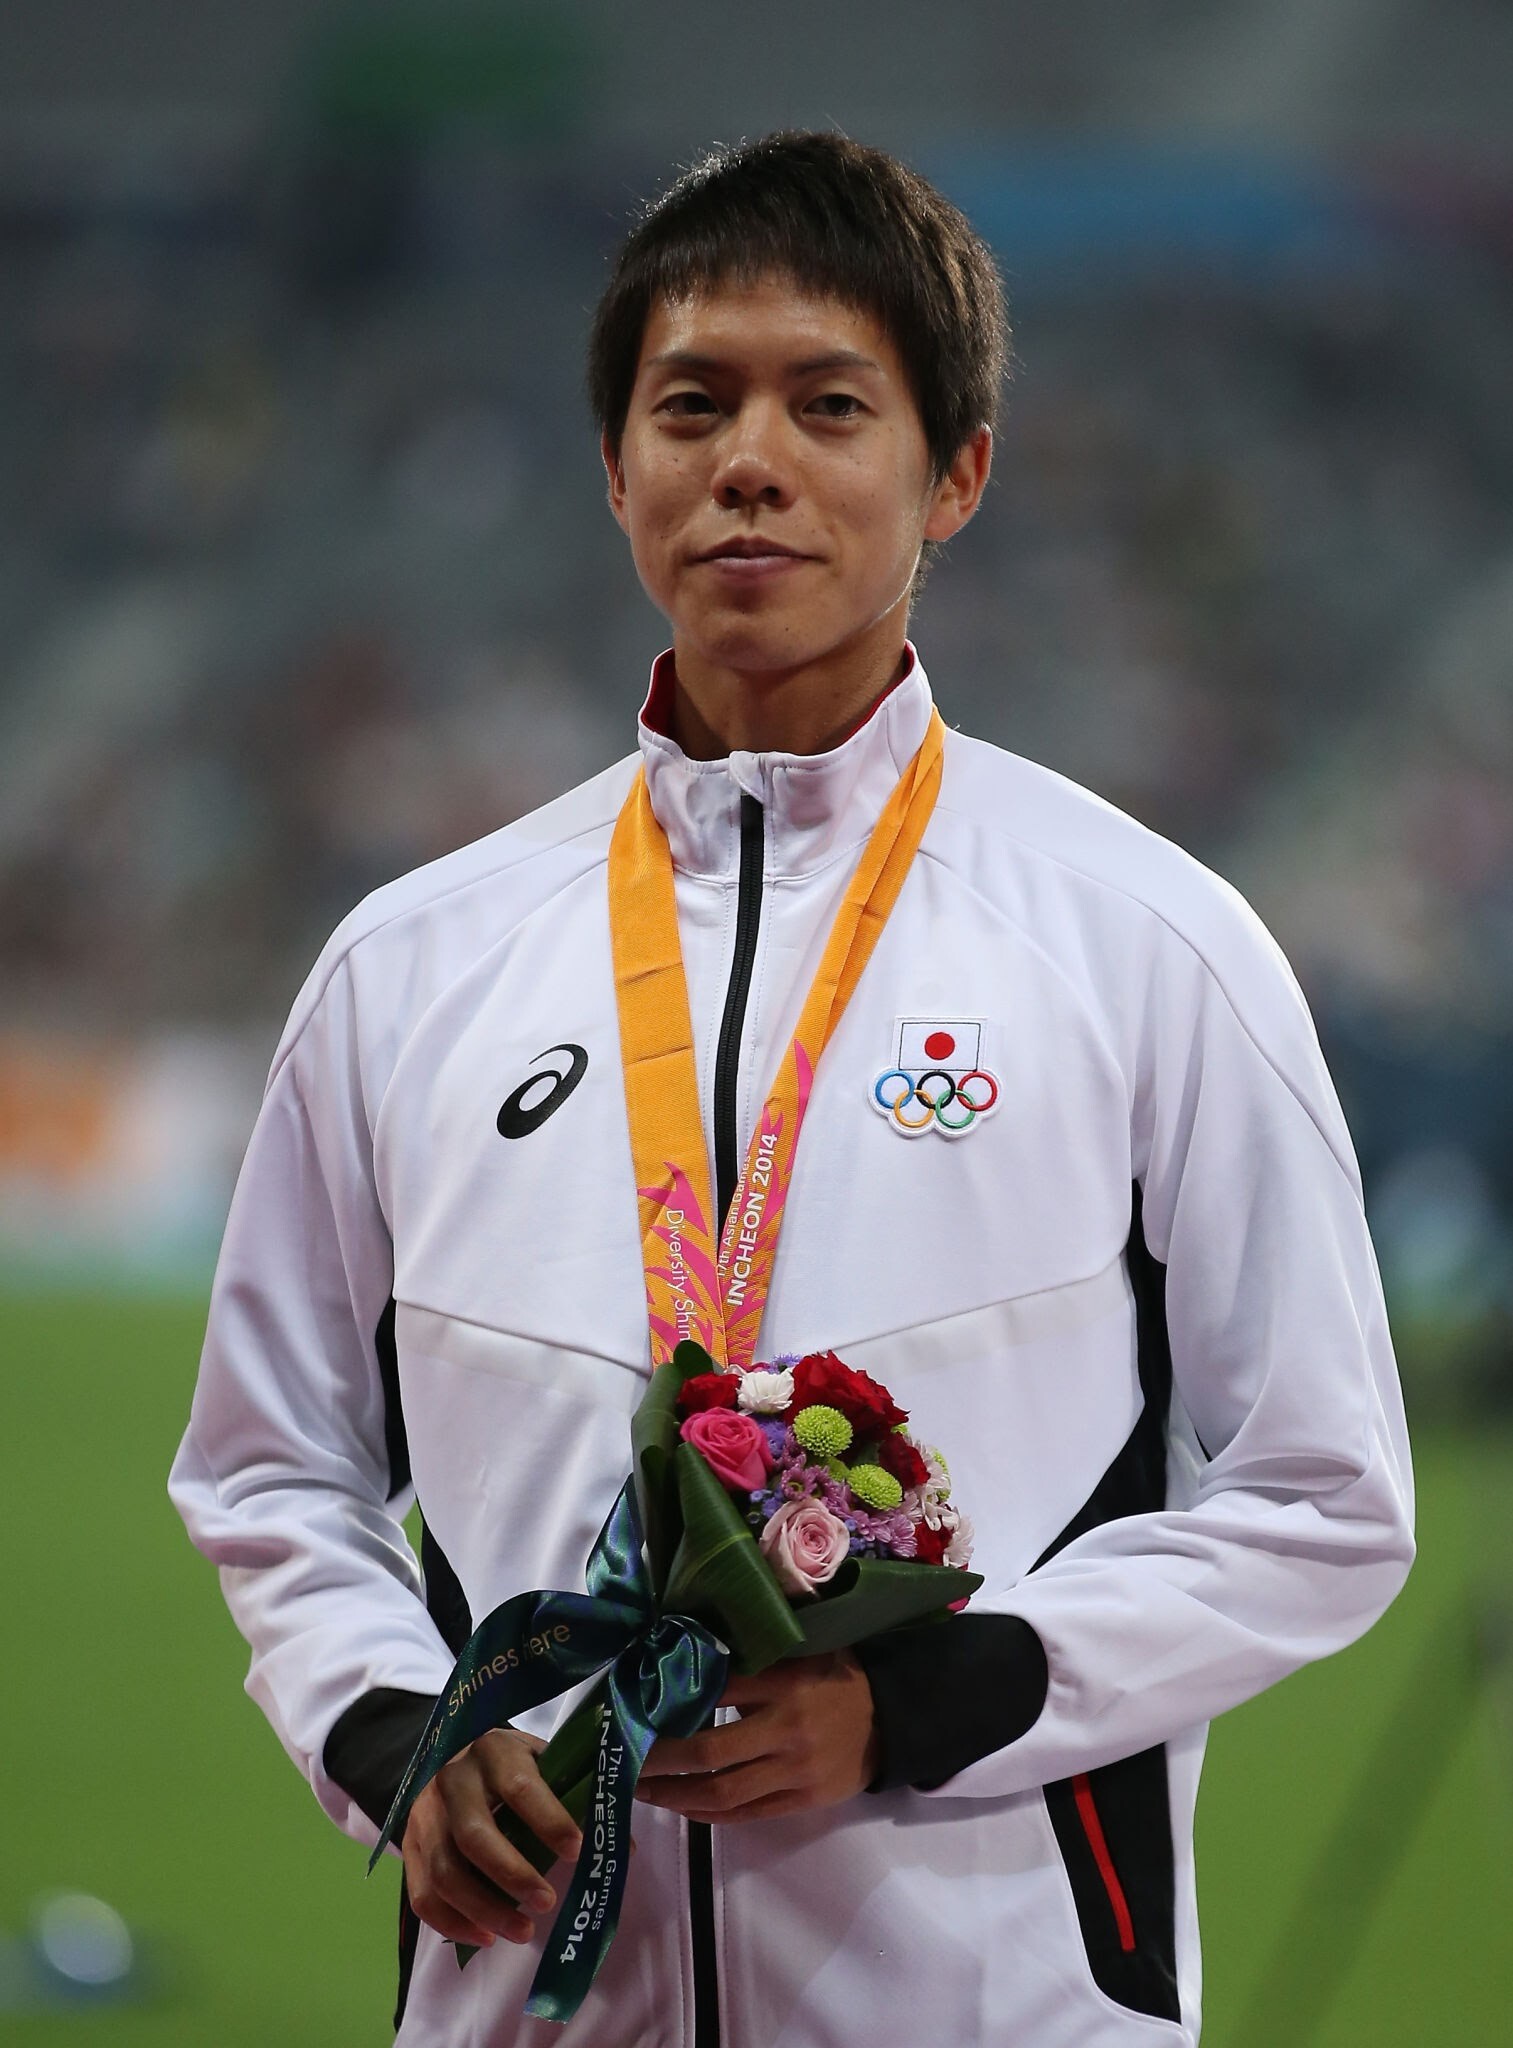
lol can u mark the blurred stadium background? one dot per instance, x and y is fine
(305, 577)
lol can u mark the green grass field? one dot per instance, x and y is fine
(1355, 1879)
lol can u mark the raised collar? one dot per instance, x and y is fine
(817, 806)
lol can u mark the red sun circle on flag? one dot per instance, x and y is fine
(940, 1045)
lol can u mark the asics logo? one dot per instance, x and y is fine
(525, 1110)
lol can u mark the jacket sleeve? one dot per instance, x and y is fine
(283, 1477)
(1295, 1533)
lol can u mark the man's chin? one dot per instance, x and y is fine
(761, 645)
(756, 657)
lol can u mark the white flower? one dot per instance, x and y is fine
(765, 1393)
(940, 1471)
(959, 1549)
(936, 1513)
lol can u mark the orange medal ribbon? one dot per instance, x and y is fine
(695, 1288)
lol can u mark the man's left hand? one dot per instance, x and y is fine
(805, 1738)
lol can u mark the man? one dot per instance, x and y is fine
(1131, 1296)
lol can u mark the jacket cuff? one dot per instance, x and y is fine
(946, 1693)
(366, 1752)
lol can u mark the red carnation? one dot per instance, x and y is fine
(709, 1390)
(897, 1455)
(866, 1406)
(930, 1544)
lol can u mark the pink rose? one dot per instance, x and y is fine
(733, 1446)
(805, 1545)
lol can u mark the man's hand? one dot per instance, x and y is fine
(459, 1867)
(805, 1738)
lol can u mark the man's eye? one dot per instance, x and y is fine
(687, 405)
(836, 405)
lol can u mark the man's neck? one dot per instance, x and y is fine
(717, 711)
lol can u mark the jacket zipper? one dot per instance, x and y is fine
(727, 1059)
(1092, 1827)
(727, 1065)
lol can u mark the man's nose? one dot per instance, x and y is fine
(755, 465)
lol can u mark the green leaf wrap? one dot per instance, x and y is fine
(720, 1577)
(871, 1594)
(653, 1439)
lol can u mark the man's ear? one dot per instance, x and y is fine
(959, 493)
(614, 470)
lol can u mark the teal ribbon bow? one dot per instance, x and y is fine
(666, 1674)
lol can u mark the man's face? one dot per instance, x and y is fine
(773, 477)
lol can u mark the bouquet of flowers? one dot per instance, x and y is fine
(779, 1512)
(787, 1508)
(821, 1460)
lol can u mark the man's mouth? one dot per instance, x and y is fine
(751, 548)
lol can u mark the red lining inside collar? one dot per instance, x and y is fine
(657, 711)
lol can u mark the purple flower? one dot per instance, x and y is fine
(889, 1534)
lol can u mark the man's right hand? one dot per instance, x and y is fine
(460, 1871)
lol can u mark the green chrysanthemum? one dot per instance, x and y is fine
(823, 1431)
(875, 1487)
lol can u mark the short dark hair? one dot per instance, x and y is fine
(844, 222)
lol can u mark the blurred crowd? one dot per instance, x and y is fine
(306, 577)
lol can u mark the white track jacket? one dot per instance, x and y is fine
(1135, 1305)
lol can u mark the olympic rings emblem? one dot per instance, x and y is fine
(913, 1106)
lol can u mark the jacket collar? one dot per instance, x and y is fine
(817, 806)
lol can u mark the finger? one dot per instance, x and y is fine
(425, 1849)
(754, 1689)
(718, 1792)
(514, 1780)
(712, 1749)
(749, 1794)
(449, 1925)
(772, 1807)
(794, 1675)
(450, 1889)
(468, 1803)
(478, 1840)
(429, 1906)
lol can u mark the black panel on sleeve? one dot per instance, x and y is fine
(446, 1603)
(368, 1748)
(1135, 1483)
(366, 1752)
(409, 1941)
(396, 1441)
(948, 1692)
(370, 1745)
